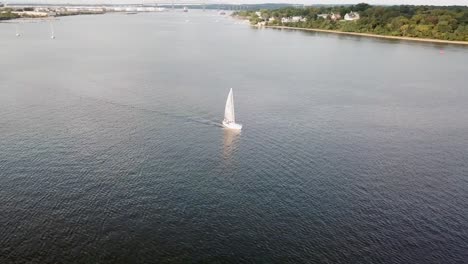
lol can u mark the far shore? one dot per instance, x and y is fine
(374, 35)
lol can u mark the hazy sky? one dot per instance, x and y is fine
(386, 2)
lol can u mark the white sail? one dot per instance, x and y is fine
(229, 116)
(52, 33)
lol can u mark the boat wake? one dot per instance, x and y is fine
(199, 120)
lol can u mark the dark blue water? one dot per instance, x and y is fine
(354, 150)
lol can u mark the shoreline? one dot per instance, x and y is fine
(439, 41)
(39, 18)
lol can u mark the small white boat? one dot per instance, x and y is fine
(52, 33)
(18, 34)
(185, 9)
(229, 116)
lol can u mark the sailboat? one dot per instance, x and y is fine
(18, 34)
(229, 116)
(52, 36)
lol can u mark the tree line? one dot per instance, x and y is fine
(5, 14)
(436, 22)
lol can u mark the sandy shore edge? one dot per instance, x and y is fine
(374, 35)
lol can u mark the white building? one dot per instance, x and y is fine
(96, 9)
(351, 16)
(293, 19)
(72, 9)
(42, 9)
(335, 17)
(298, 19)
(31, 14)
(324, 16)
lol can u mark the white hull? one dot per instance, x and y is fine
(232, 125)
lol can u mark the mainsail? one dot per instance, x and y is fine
(52, 33)
(229, 110)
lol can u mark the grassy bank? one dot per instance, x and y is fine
(373, 35)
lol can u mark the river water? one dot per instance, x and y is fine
(354, 150)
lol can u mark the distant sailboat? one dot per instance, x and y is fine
(229, 116)
(52, 33)
(18, 34)
(185, 9)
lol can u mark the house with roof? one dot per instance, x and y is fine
(293, 19)
(351, 16)
(335, 17)
(324, 16)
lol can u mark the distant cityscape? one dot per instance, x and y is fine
(51, 10)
